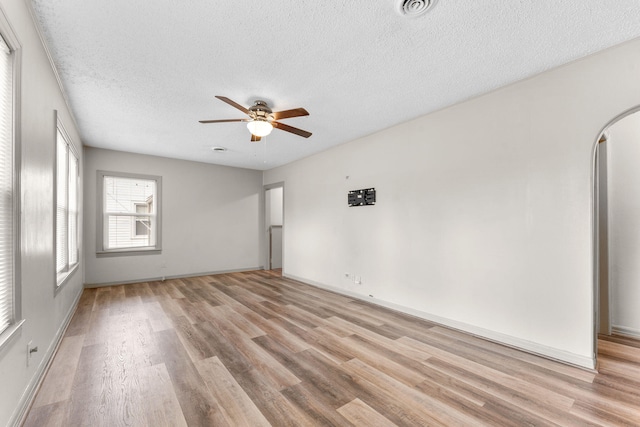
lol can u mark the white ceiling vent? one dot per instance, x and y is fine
(413, 8)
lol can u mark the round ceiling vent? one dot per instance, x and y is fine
(413, 8)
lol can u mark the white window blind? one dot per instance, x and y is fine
(62, 241)
(67, 175)
(6, 187)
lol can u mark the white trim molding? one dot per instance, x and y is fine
(626, 331)
(19, 416)
(163, 278)
(52, 64)
(508, 340)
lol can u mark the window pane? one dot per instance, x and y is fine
(62, 232)
(121, 229)
(6, 187)
(143, 227)
(67, 185)
(73, 209)
(129, 212)
(123, 194)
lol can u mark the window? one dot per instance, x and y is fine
(9, 184)
(6, 187)
(130, 215)
(67, 178)
(143, 225)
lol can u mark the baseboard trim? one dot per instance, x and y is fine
(19, 416)
(179, 276)
(623, 330)
(508, 340)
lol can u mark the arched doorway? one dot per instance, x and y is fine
(617, 227)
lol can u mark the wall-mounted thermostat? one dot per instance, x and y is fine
(363, 197)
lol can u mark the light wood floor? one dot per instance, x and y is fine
(254, 349)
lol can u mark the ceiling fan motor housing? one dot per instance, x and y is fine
(260, 111)
(414, 8)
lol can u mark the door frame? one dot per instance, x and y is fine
(602, 318)
(265, 228)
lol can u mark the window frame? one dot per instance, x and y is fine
(62, 277)
(16, 323)
(100, 212)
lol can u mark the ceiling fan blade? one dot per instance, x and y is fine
(296, 112)
(224, 120)
(291, 129)
(255, 138)
(232, 103)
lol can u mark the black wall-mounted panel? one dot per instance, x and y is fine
(365, 197)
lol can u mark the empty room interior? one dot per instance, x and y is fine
(399, 212)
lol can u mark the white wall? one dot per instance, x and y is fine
(211, 219)
(275, 205)
(624, 224)
(484, 210)
(44, 312)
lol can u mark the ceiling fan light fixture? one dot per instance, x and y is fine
(260, 127)
(262, 119)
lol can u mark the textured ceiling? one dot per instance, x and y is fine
(139, 75)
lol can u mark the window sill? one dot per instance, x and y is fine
(129, 252)
(63, 278)
(8, 334)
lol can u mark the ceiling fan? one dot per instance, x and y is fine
(262, 120)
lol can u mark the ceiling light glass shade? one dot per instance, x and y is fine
(260, 127)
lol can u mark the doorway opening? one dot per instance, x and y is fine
(274, 225)
(617, 228)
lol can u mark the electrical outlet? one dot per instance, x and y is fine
(357, 280)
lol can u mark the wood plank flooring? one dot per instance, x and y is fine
(255, 349)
